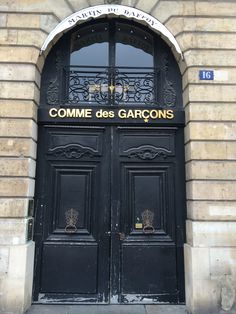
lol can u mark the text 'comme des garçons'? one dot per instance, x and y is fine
(88, 113)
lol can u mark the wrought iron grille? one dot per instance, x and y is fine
(109, 85)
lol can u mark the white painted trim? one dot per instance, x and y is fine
(113, 9)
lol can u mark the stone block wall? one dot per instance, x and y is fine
(205, 31)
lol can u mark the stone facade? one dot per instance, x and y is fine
(205, 31)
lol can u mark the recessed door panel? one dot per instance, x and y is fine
(69, 268)
(109, 223)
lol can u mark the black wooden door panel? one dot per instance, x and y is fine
(148, 271)
(146, 173)
(72, 201)
(70, 268)
(108, 216)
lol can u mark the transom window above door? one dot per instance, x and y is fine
(111, 62)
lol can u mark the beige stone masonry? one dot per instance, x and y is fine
(211, 234)
(19, 72)
(78, 5)
(210, 111)
(17, 147)
(202, 269)
(211, 190)
(212, 170)
(19, 90)
(146, 6)
(61, 9)
(211, 210)
(178, 24)
(3, 19)
(165, 9)
(206, 41)
(210, 57)
(17, 281)
(221, 76)
(204, 93)
(13, 231)
(17, 167)
(48, 22)
(18, 128)
(15, 20)
(22, 37)
(210, 131)
(16, 187)
(18, 109)
(210, 150)
(19, 54)
(215, 8)
(14, 208)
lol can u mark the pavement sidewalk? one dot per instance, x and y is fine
(107, 309)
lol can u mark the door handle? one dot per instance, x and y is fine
(121, 235)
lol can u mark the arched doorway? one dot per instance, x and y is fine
(110, 193)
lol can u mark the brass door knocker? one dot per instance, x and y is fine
(147, 218)
(71, 216)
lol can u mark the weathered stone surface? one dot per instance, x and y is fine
(165, 9)
(4, 258)
(211, 210)
(17, 167)
(79, 5)
(61, 10)
(14, 207)
(178, 24)
(212, 150)
(24, 37)
(18, 109)
(145, 6)
(210, 111)
(206, 41)
(212, 170)
(211, 190)
(197, 276)
(18, 187)
(17, 20)
(222, 76)
(19, 54)
(216, 8)
(17, 147)
(210, 131)
(19, 90)
(19, 72)
(210, 57)
(18, 128)
(3, 19)
(48, 22)
(16, 285)
(13, 231)
(211, 93)
(211, 234)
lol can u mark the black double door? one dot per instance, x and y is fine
(109, 214)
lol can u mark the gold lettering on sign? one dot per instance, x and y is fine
(87, 113)
(70, 113)
(145, 114)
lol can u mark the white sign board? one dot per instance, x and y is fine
(117, 10)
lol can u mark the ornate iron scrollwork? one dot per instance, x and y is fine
(102, 85)
(169, 93)
(52, 93)
(71, 216)
(147, 218)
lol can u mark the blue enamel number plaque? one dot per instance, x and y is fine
(206, 75)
